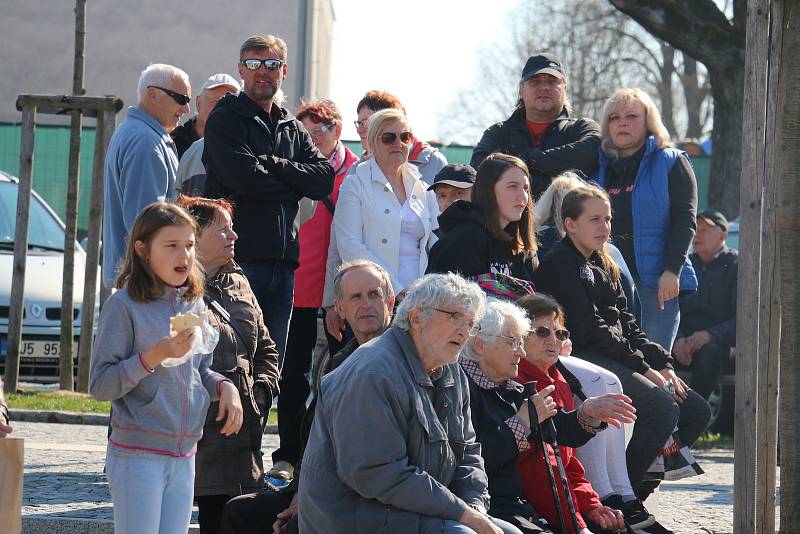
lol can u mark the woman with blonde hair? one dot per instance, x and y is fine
(653, 194)
(384, 212)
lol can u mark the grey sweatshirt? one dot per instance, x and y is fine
(159, 410)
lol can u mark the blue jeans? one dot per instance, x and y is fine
(658, 325)
(151, 493)
(454, 527)
(272, 282)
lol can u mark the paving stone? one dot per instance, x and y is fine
(66, 491)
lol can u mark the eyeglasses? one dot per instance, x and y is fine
(562, 334)
(325, 128)
(177, 97)
(387, 138)
(516, 344)
(461, 320)
(255, 64)
(360, 124)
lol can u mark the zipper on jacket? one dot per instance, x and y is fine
(283, 231)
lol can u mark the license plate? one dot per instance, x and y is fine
(42, 349)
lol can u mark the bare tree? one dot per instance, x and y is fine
(701, 29)
(602, 50)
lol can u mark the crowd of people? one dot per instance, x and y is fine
(487, 343)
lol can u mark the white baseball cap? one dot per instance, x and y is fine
(218, 80)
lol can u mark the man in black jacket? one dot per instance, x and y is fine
(541, 131)
(262, 158)
(708, 316)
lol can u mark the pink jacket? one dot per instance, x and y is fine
(315, 236)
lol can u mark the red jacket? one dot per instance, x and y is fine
(314, 237)
(531, 464)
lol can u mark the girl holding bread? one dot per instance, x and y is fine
(159, 382)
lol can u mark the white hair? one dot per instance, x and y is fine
(158, 74)
(499, 314)
(438, 291)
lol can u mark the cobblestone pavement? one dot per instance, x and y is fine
(64, 480)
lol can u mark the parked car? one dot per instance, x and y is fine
(41, 329)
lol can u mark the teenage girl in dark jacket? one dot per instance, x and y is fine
(493, 233)
(583, 278)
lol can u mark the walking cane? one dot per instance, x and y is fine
(528, 390)
(551, 429)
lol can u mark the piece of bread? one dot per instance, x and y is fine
(186, 320)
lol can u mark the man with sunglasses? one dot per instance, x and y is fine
(141, 162)
(541, 131)
(262, 158)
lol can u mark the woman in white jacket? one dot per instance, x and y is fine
(384, 213)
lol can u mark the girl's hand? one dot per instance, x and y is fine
(230, 404)
(612, 408)
(169, 347)
(668, 287)
(566, 348)
(680, 394)
(655, 377)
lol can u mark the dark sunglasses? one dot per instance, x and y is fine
(255, 64)
(177, 97)
(387, 138)
(562, 334)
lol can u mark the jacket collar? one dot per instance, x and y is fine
(370, 168)
(411, 356)
(517, 118)
(247, 107)
(143, 116)
(473, 370)
(569, 245)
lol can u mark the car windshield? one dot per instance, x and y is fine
(44, 231)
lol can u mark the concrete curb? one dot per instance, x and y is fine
(76, 418)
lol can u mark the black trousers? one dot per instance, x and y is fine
(256, 513)
(209, 512)
(708, 364)
(294, 384)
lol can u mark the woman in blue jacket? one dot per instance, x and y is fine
(654, 201)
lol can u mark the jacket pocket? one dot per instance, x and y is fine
(372, 516)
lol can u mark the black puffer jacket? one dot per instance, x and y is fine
(568, 144)
(264, 163)
(245, 354)
(597, 312)
(465, 247)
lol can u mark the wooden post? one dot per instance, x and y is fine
(787, 171)
(105, 128)
(770, 298)
(748, 291)
(71, 222)
(17, 304)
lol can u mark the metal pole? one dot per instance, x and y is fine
(17, 305)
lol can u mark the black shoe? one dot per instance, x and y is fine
(636, 515)
(656, 528)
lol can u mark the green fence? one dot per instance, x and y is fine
(51, 157)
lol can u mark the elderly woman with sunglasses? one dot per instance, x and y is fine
(500, 411)
(541, 356)
(384, 212)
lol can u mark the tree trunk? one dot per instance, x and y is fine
(664, 88)
(727, 82)
(694, 94)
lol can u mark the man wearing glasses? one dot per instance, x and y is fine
(141, 162)
(263, 159)
(541, 131)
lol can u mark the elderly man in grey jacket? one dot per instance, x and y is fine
(392, 447)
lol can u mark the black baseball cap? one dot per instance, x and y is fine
(715, 218)
(455, 174)
(543, 64)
